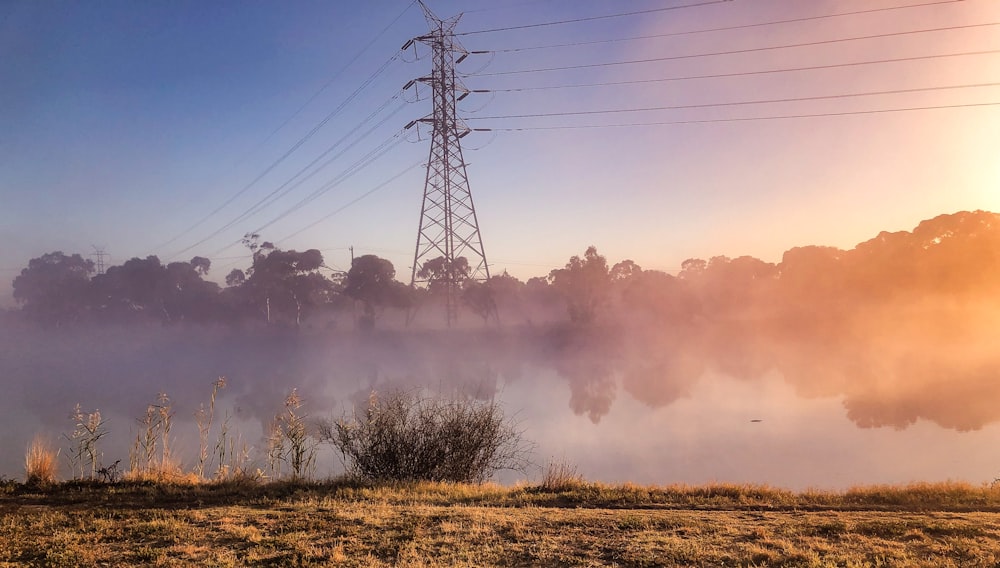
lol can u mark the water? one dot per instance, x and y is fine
(653, 416)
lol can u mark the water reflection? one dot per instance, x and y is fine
(654, 404)
(709, 435)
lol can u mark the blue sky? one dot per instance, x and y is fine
(128, 125)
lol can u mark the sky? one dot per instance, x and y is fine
(656, 130)
(155, 128)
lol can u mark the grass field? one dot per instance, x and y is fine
(581, 524)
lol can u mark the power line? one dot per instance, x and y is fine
(719, 29)
(359, 165)
(356, 167)
(745, 73)
(298, 144)
(742, 119)
(325, 188)
(592, 18)
(506, 7)
(335, 76)
(741, 103)
(733, 51)
(351, 202)
(284, 189)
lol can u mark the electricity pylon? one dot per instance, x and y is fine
(449, 229)
(100, 254)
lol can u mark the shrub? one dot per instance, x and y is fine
(404, 437)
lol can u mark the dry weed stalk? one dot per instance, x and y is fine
(289, 440)
(234, 456)
(275, 448)
(204, 419)
(301, 445)
(150, 454)
(88, 431)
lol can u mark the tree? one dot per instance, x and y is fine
(284, 284)
(480, 299)
(187, 297)
(143, 288)
(624, 271)
(236, 277)
(371, 280)
(439, 273)
(811, 281)
(692, 268)
(730, 286)
(201, 265)
(584, 284)
(660, 296)
(500, 293)
(54, 288)
(133, 290)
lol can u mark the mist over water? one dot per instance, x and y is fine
(650, 409)
(832, 368)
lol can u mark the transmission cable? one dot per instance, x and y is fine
(506, 7)
(287, 187)
(720, 29)
(335, 76)
(740, 73)
(284, 156)
(732, 51)
(356, 167)
(741, 119)
(592, 18)
(296, 113)
(738, 103)
(352, 202)
(359, 165)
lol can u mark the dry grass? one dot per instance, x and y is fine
(433, 524)
(561, 476)
(40, 463)
(163, 474)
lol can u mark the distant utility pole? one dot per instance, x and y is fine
(448, 224)
(100, 254)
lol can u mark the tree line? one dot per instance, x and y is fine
(955, 255)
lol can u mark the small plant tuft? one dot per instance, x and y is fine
(40, 463)
(561, 476)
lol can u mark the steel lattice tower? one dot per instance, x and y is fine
(448, 224)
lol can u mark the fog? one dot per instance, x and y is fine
(728, 404)
(829, 369)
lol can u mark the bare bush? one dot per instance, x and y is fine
(404, 437)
